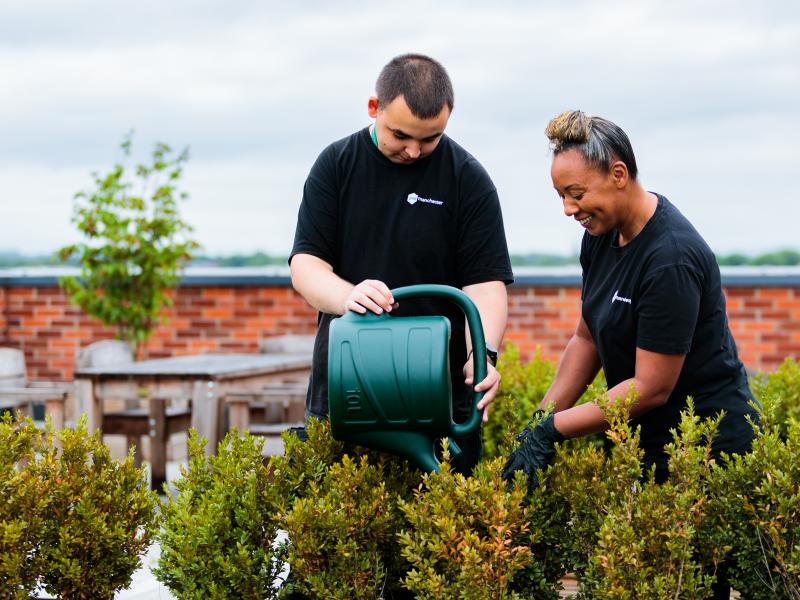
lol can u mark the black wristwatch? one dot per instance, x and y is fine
(491, 354)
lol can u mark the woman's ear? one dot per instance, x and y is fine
(619, 173)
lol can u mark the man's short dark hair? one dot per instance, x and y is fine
(422, 81)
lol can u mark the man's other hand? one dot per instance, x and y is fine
(490, 385)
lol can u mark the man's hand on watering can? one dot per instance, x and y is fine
(372, 295)
(490, 385)
(535, 451)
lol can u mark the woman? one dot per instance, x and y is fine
(653, 311)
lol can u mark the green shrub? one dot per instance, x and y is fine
(341, 530)
(647, 547)
(470, 538)
(628, 536)
(23, 504)
(588, 481)
(71, 518)
(340, 510)
(756, 507)
(784, 384)
(522, 387)
(100, 514)
(596, 389)
(304, 462)
(218, 532)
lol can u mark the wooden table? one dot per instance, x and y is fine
(205, 378)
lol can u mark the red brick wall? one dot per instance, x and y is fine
(765, 322)
(542, 317)
(3, 322)
(41, 322)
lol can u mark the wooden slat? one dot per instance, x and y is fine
(272, 429)
(217, 366)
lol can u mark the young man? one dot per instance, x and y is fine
(399, 203)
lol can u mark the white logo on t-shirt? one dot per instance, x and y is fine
(414, 198)
(620, 298)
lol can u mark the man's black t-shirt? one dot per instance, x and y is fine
(437, 220)
(662, 292)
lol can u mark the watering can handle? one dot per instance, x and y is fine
(456, 296)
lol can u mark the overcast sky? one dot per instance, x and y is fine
(708, 92)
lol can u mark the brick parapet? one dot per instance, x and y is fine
(231, 315)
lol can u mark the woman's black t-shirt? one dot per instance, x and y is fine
(662, 292)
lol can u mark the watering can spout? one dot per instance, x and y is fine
(389, 378)
(417, 447)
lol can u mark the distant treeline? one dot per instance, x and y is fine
(12, 259)
(258, 259)
(782, 258)
(261, 259)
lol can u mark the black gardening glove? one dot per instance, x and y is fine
(535, 451)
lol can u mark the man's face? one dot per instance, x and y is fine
(402, 137)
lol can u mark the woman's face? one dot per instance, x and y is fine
(589, 195)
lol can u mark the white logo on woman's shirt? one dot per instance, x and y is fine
(620, 298)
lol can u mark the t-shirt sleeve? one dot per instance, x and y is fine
(667, 310)
(316, 231)
(482, 253)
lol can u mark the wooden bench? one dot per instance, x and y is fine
(267, 411)
(158, 421)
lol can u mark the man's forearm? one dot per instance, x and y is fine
(491, 300)
(314, 280)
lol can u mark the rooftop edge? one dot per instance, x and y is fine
(272, 276)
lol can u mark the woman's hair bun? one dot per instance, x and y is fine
(598, 140)
(570, 127)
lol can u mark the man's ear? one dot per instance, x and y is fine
(619, 173)
(372, 107)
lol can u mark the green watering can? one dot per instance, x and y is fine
(389, 378)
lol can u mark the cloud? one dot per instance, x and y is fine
(705, 91)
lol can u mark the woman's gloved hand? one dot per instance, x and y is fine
(535, 451)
